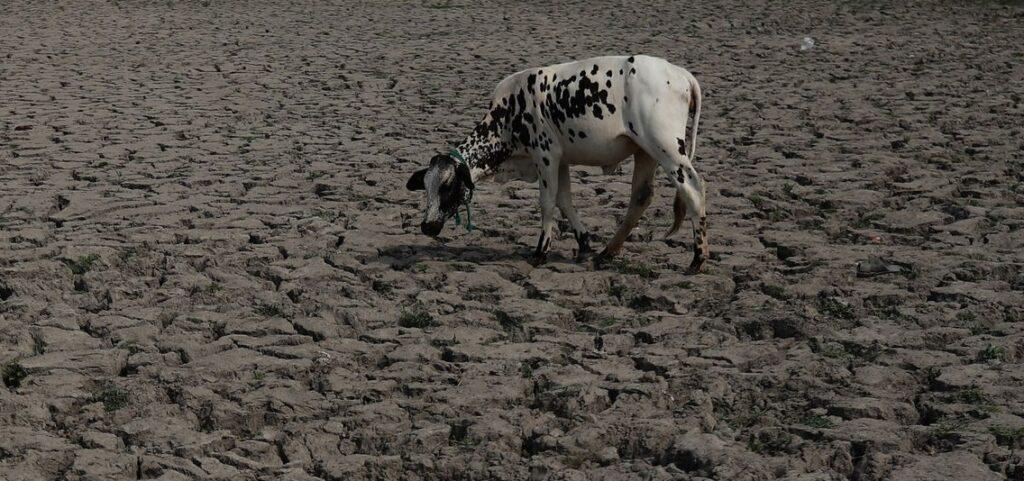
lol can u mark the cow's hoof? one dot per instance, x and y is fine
(696, 266)
(538, 260)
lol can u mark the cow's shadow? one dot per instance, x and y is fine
(404, 256)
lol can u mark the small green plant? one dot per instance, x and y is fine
(1010, 437)
(683, 285)
(416, 319)
(778, 214)
(817, 422)
(38, 345)
(214, 288)
(836, 308)
(82, 264)
(966, 317)
(635, 268)
(947, 427)
(112, 397)
(834, 351)
(12, 373)
(131, 346)
(971, 395)
(258, 376)
(420, 267)
(757, 200)
(770, 442)
(991, 353)
(269, 310)
(166, 318)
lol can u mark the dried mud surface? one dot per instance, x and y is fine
(210, 269)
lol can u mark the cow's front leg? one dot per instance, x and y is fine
(548, 178)
(564, 202)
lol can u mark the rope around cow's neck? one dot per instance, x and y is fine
(469, 223)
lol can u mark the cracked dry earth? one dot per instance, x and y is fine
(210, 269)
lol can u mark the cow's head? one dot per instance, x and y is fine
(448, 185)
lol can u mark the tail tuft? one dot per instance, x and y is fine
(678, 214)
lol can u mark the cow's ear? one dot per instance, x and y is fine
(416, 181)
(465, 176)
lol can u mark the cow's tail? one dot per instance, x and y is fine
(679, 205)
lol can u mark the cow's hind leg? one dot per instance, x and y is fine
(547, 168)
(564, 202)
(642, 193)
(689, 203)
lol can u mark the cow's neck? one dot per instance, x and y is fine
(486, 148)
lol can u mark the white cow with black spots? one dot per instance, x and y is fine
(594, 112)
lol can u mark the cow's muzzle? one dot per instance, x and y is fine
(432, 229)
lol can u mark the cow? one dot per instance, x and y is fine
(594, 112)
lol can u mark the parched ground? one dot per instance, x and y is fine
(210, 269)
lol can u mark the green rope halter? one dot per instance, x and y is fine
(469, 223)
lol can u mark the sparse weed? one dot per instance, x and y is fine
(836, 308)
(269, 310)
(1010, 437)
(991, 353)
(634, 268)
(418, 319)
(971, 395)
(758, 201)
(82, 264)
(817, 422)
(112, 397)
(38, 345)
(131, 346)
(12, 373)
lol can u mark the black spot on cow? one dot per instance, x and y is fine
(594, 70)
(597, 112)
(583, 135)
(611, 108)
(682, 146)
(608, 83)
(608, 73)
(625, 99)
(544, 183)
(630, 59)
(572, 133)
(631, 129)
(546, 161)
(681, 175)
(620, 71)
(632, 71)
(532, 79)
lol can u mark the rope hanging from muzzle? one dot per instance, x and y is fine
(458, 221)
